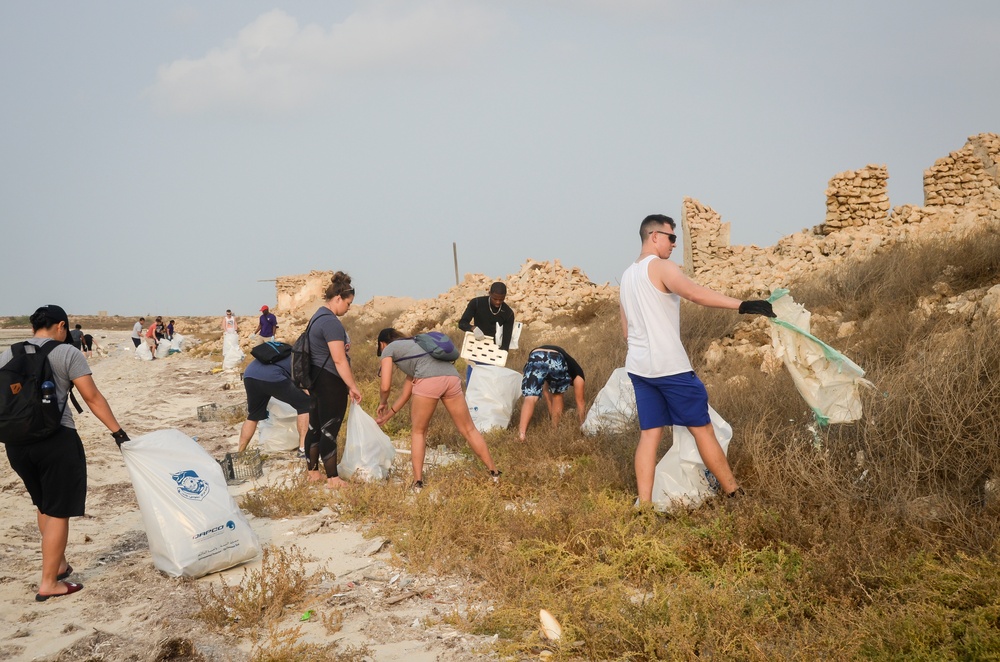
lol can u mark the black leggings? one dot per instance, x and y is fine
(327, 407)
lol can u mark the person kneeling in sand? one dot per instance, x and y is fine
(428, 380)
(550, 366)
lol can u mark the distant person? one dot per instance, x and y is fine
(552, 367)
(229, 323)
(484, 314)
(667, 392)
(88, 345)
(264, 381)
(267, 325)
(151, 335)
(54, 468)
(332, 380)
(137, 331)
(428, 380)
(170, 330)
(76, 336)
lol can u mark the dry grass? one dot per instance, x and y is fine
(293, 496)
(877, 539)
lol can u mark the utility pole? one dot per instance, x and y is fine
(454, 251)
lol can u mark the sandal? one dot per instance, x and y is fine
(71, 587)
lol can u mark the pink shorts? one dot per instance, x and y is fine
(445, 386)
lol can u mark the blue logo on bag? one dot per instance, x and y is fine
(230, 524)
(190, 486)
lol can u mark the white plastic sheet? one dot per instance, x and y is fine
(493, 391)
(614, 407)
(368, 452)
(827, 380)
(279, 432)
(193, 525)
(681, 478)
(232, 355)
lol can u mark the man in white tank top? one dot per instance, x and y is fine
(667, 392)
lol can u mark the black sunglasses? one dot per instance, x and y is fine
(671, 237)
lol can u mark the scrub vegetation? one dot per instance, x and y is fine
(871, 540)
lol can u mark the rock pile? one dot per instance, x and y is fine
(539, 293)
(855, 198)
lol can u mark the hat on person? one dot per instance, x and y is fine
(263, 308)
(56, 314)
(384, 336)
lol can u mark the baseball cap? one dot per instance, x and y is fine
(263, 308)
(55, 314)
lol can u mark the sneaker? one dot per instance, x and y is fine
(418, 485)
(301, 454)
(495, 474)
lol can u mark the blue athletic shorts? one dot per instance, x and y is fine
(544, 366)
(672, 400)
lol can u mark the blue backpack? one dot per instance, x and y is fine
(436, 344)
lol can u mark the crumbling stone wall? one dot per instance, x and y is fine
(855, 198)
(966, 174)
(704, 235)
(301, 291)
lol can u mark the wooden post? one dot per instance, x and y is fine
(454, 250)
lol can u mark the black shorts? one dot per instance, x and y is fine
(136, 341)
(54, 471)
(259, 393)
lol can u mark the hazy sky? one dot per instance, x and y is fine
(163, 157)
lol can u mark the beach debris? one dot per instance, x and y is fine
(306, 615)
(550, 626)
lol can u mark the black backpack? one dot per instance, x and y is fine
(25, 416)
(302, 360)
(271, 351)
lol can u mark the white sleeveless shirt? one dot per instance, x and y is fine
(654, 329)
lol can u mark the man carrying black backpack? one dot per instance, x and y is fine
(43, 446)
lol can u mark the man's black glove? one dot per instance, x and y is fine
(120, 437)
(757, 307)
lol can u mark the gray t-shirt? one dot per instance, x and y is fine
(137, 330)
(326, 327)
(68, 363)
(421, 366)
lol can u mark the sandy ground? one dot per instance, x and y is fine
(131, 611)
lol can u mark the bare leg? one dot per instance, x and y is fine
(645, 462)
(556, 404)
(713, 457)
(246, 434)
(302, 424)
(55, 533)
(459, 412)
(421, 409)
(527, 411)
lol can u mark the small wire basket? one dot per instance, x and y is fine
(241, 467)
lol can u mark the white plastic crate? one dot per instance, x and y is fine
(482, 351)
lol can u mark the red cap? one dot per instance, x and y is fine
(263, 308)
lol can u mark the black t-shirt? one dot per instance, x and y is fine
(480, 312)
(574, 368)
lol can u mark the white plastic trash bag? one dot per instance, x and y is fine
(194, 527)
(681, 479)
(368, 452)
(143, 352)
(491, 396)
(826, 379)
(231, 352)
(515, 335)
(614, 408)
(162, 348)
(279, 431)
(176, 343)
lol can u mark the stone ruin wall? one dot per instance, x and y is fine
(295, 293)
(963, 176)
(706, 237)
(855, 198)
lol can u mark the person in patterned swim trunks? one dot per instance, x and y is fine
(549, 372)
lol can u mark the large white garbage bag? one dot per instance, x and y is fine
(194, 527)
(681, 478)
(162, 348)
(231, 352)
(278, 432)
(491, 396)
(368, 452)
(827, 380)
(143, 352)
(614, 408)
(177, 343)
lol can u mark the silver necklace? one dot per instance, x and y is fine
(495, 312)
